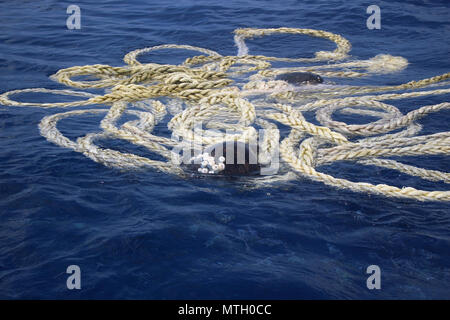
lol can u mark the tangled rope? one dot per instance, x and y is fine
(233, 96)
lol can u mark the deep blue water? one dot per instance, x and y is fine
(154, 236)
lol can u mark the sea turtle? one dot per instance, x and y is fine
(230, 158)
(242, 160)
(300, 78)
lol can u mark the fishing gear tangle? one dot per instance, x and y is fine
(235, 96)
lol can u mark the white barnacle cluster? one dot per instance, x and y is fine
(208, 163)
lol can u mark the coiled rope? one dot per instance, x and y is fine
(240, 93)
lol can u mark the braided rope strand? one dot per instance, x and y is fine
(239, 94)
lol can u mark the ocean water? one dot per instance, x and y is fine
(149, 235)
